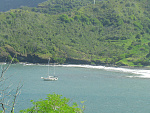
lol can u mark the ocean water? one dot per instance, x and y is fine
(104, 89)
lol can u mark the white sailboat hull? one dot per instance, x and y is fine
(51, 78)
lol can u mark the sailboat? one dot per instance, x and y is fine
(49, 78)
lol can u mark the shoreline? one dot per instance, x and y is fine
(138, 72)
(81, 65)
(111, 65)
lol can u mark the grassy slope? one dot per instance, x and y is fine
(110, 32)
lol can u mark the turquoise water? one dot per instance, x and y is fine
(104, 89)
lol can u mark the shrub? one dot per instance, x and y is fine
(53, 104)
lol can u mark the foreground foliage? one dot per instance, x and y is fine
(53, 104)
(8, 91)
(108, 32)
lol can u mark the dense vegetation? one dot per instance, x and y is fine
(78, 31)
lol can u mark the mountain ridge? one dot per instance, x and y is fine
(113, 32)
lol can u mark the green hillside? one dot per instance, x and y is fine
(77, 31)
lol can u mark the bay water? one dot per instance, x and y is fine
(104, 89)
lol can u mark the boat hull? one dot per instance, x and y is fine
(49, 78)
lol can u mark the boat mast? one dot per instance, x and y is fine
(54, 68)
(94, 1)
(48, 66)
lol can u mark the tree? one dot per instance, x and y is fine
(65, 18)
(54, 104)
(7, 98)
(138, 36)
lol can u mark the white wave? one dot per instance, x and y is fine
(28, 64)
(141, 73)
(138, 73)
(2, 63)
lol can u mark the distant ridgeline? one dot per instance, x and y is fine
(6, 5)
(109, 32)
